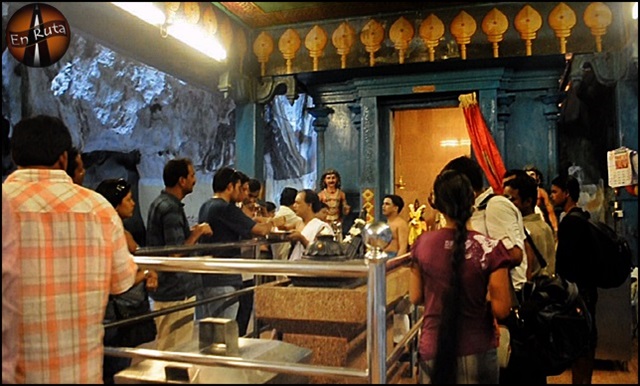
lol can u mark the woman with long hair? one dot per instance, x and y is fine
(118, 193)
(461, 278)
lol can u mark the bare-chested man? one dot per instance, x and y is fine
(392, 205)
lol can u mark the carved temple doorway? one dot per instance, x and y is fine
(423, 141)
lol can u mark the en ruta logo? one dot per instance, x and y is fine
(38, 35)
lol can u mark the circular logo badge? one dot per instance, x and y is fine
(38, 35)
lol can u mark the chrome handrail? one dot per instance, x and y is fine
(202, 247)
(374, 266)
(208, 360)
(211, 264)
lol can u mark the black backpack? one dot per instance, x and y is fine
(613, 254)
(553, 324)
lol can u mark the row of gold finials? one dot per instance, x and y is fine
(597, 17)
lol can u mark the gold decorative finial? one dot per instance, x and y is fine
(401, 34)
(598, 17)
(561, 19)
(315, 42)
(431, 30)
(263, 48)
(528, 21)
(289, 44)
(463, 27)
(372, 36)
(494, 25)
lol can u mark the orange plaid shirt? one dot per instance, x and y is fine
(73, 253)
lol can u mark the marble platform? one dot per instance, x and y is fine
(329, 321)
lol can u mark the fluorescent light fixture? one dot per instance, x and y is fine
(634, 11)
(189, 34)
(455, 142)
(144, 11)
(195, 37)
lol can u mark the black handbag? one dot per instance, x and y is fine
(134, 302)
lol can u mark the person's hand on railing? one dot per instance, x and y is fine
(202, 229)
(278, 221)
(151, 280)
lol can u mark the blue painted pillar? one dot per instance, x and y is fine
(627, 135)
(320, 123)
(250, 140)
(370, 158)
(505, 100)
(552, 115)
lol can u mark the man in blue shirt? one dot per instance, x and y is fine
(229, 224)
(167, 224)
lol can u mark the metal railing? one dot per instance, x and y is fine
(374, 266)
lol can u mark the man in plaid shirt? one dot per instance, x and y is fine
(73, 254)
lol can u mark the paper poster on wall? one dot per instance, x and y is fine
(620, 167)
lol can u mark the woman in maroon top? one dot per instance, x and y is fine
(453, 270)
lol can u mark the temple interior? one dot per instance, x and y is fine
(373, 93)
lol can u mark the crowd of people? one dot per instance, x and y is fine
(68, 265)
(67, 258)
(483, 255)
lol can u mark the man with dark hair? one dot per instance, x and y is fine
(287, 199)
(574, 261)
(73, 254)
(254, 210)
(306, 206)
(229, 224)
(497, 217)
(250, 205)
(522, 190)
(270, 208)
(543, 202)
(167, 224)
(75, 167)
(392, 205)
(280, 251)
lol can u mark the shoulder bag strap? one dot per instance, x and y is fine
(541, 260)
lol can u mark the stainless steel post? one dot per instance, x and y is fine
(377, 236)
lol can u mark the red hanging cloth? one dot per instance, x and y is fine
(482, 143)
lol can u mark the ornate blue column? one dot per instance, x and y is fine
(504, 101)
(321, 115)
(369, 146)
(552, 114)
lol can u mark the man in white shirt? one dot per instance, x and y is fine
(287, 199)
(280, 251)
(497, 218)
(306, 206)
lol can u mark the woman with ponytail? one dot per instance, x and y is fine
(461, 278)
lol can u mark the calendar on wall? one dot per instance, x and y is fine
(620, 164)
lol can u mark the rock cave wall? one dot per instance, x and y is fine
(111, 103)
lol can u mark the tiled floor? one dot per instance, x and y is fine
(605, 372)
